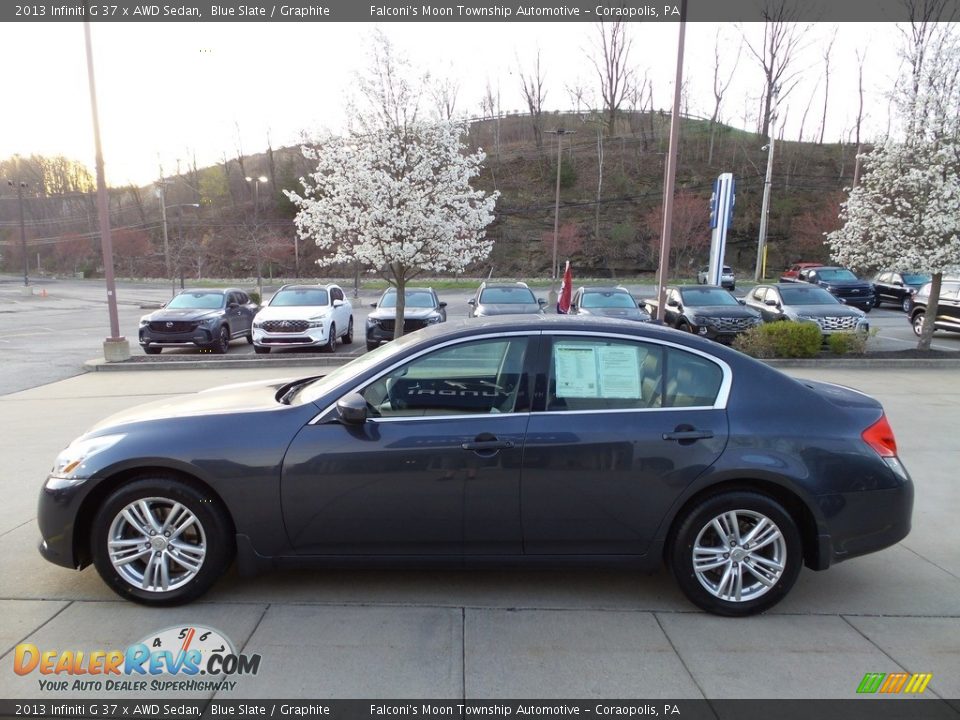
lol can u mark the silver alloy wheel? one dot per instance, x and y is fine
(739, 555)
(156, 544)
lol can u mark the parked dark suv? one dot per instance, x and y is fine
(504, 299)
(842, 284)
(706, 310)
(898, 287)
(208, 319)
(421, 307)
(948, 308)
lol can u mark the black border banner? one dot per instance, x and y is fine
(864, 708)
(320, 11)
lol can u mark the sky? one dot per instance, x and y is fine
(170, 91)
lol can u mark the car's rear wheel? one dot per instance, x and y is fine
(160, 541)
(736, 553)
(331, 345)
(917, 323)
(151, 350)
(348, 338)
(222, 343)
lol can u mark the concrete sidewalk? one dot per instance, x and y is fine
(507, 633)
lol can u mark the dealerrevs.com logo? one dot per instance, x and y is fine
(174, 659)
(895, 683)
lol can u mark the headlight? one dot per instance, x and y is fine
(258, 324)
(371, 322)
(701, 320)
(68, 468)
(806, 318)
(433, 319)
(315, 322)
(209, 322)
(145, 320)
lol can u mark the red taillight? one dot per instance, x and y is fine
(880, 437)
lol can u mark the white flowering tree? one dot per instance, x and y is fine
(905, 213)
(394, 193)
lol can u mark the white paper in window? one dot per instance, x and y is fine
(576, 370)
(619, 371)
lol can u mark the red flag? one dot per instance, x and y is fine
(566, 291)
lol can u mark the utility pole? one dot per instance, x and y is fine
(256, 229)
(559, 132)
(765, 208)
(162, 196)
(20, 185)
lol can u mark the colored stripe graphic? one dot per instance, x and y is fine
(913, 683)
(918, 683)
(894, 682)
(871, 682)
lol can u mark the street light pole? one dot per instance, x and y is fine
(162, 195)
(256, 231)
(20, 185)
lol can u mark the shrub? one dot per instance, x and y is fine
(848, 343)
(254, 296)
(781, 340)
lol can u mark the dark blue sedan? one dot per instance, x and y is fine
(542, 439)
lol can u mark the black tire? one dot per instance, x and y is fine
(348, 338)
(906, 304)
(261, 350)
(372, 346)
(211, 531)
(917, 322)
(222, 343)
(249, 337)
(151, 350)
(684, 326)
(331, 345)
(750, 509)
(877, 301)
(868, 308)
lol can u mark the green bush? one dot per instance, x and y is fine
(848, 343)
(255, 296)
(781, 340)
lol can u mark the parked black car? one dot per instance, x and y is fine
(537, 439)
(208, 319)
(706, 310)
(898, 287)
(615, 302)
(504, 299)
(842, 284)
(422, 307)
(948, 308)
(800, 302)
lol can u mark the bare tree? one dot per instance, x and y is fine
(490, 105)
(826, 79)
(613, 68)
(719, 89)
(860, 61)
(803, 119)
(782, 40)
(444, 92)
(535, 96)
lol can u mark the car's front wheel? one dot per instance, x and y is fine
(917, 323)
(736, 553)
(905, 305)
(160, 541)
(348, 338)
(222, 342)
(331, 345)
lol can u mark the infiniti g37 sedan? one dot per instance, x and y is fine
(538, 439)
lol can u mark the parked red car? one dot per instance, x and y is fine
(792, 273)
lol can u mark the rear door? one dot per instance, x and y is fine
(620, 428)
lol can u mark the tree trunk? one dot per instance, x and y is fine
(400, 275)
(929, 317)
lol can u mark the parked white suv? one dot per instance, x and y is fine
(304, 316)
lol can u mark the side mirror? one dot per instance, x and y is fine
(771, 302)
(672, 303)
(471, 301)
(338, 303)
(373, 305)
(352, 409)
(541, 301)
(741, 301)
(232, 306)
(443, 304)
(898, 283)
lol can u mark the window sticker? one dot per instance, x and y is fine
(576, 369)
(606, 371)
(619, 367)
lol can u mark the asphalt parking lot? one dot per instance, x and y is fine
(506, 633)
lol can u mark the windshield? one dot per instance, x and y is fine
(837, 275)
(507, 296)
(611, 299)
(916, 279)
(701, 297)
(197, 301)
(413, 298)
(300, 297)
(807, 296)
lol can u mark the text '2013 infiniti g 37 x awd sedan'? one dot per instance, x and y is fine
(542, 439)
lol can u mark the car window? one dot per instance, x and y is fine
(300, 297)
(807, 296)
(837, 275)
(691, 380)
(916, 279)
(884, 278)
(197, 301)
(703, 297)
(336, 294)
(759, 293)
(480, 377)
(507, 296)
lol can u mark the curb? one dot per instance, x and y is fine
(867, 363)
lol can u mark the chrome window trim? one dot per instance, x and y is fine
(434, 418)
(723, 394)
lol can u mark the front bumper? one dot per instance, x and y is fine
(199, 336)
(311, 337)
(57, 512)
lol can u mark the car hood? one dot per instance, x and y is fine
(508, 309)
(626, 313)
(293, 312)
(824, 310)
(415, 313)
(186, 314)
(244, 397)
(721, 311)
